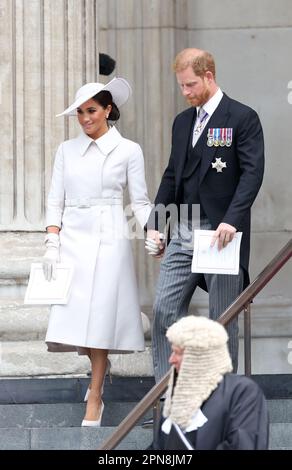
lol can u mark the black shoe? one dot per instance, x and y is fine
(147, 424)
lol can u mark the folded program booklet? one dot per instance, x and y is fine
(211, 260)
(42, 292)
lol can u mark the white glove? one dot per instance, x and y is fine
(52, 255)
(152, 247)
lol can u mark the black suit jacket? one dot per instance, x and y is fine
(237, 420)
(227, 196)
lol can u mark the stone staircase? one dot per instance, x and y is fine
(22, 328)
(45, 413)
(41, 393)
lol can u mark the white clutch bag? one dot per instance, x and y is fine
(42, 292)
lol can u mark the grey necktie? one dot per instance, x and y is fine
(199, 125)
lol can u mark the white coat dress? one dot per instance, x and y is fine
(86, 202)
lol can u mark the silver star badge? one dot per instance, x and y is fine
(219, 165)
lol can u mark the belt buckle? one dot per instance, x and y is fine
(84, 203)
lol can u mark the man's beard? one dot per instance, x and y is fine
(201, 99)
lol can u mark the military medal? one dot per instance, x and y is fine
(229, 137)
(210, 141)
(219, 165)
(219, 136)
(216, 137)
(222, 140)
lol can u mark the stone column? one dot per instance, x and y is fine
(48, 50)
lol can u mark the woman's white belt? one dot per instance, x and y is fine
(83, 203)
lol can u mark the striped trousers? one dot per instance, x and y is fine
(175, 288)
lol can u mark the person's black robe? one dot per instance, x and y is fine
(237, 420)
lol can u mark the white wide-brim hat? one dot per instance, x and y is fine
(118, 87)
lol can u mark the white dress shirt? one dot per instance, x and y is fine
(209, 107)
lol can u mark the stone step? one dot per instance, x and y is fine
(26, 358)
(280, 410)
(68, 438)
(78, 438)
(281, 436)
(20, 322)
(30, 358)
(15, 316)
(61, 414)
(23, 351)
(71, 389)
(13, 287)
(71, 414)
(56, 425)
(17, 251)
(23, 324)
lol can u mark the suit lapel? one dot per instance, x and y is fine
(182, 140)
(193, 161)
(218, 119)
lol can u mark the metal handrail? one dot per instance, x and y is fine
(242, 302)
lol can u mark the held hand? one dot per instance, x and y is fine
(155, 243)
(224, 234)
(52, 256)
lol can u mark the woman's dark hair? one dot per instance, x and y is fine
(104, 98)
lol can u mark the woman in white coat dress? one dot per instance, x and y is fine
(87, 228)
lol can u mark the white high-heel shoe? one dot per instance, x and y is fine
(94, 424)
(87, 394)
(107, 372)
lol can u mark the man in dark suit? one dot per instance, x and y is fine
(216, 163)
(207, 407)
